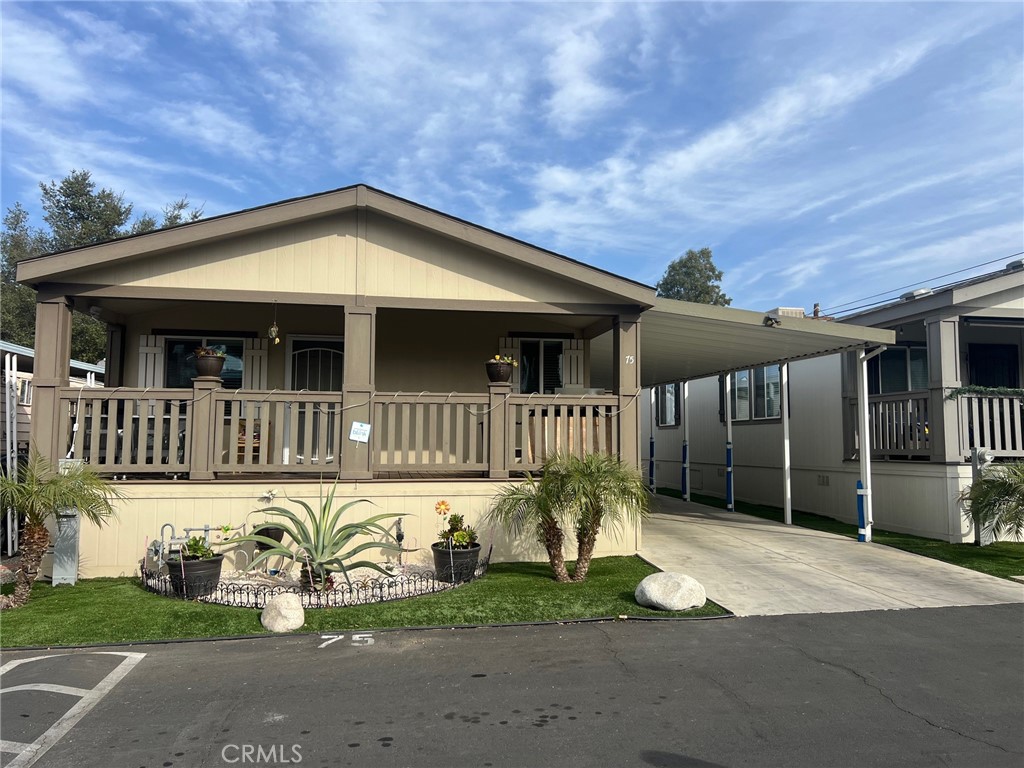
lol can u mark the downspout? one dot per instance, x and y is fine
(864, 428)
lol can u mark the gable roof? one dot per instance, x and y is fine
(57, 266)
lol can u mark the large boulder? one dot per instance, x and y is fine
(670, 592)
(283, 613)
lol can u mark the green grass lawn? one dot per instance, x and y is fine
(120, 610)
(1003, 559)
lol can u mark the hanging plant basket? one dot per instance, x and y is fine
(498, 371)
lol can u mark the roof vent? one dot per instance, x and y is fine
(1015, 266)
(911, 295)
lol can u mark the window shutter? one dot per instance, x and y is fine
(151, 361)
(510, 347)
(254, 364)
(572, 362)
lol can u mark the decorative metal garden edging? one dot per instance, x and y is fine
(254, 591)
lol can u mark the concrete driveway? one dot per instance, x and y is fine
(757, 567)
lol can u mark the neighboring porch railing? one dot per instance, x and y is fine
(899, 425)
(993, 422)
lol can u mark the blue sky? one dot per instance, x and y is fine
(824, 151)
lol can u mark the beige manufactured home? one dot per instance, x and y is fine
(355, 326)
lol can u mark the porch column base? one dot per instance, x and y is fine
(497, 461)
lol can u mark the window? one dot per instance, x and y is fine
(756, 394)
(540, 365)
(180, 362)
(666, 401)
(316, 362)
(24, 392)
(898, 369)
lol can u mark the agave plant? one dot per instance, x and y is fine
(321, 543)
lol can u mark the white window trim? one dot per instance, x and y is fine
(659, 399)
(751, 404)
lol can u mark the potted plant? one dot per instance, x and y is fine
(195, 570)
(456, 550)
(270, 531)
(499, 368)
(209, 361)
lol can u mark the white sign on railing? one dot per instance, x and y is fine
(360, 432)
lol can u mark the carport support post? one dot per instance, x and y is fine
(650, 465)
(686, 442)
(787, 485)
(864, 436)
(728, 443)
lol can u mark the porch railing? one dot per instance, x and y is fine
(899, 424)
(127, 431)
(208, 431)
(541, 425)
(274, 431)
(431, 432)
(993, 422)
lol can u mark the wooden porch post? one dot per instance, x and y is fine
(626, 334)
(359, 384)
(943, 335)
(203, 425)
(50, 372)
(497, 461)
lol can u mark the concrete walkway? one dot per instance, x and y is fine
(757, 567)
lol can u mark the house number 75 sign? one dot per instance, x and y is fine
(630, 359)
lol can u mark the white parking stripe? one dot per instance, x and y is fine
(67, 689)
(32, 752)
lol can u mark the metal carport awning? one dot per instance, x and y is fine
(681, 341)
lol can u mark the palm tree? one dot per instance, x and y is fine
(995, 501)
(536, 506)
(38, 495)
(598, 489)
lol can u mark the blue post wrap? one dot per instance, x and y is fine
(862, 531)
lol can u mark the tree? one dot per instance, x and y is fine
(693, 277)
(995, 501)
(534, 505)
(76, 214)
(582, 494)
(36, 497)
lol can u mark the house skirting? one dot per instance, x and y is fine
(117, 548)
(909, 497)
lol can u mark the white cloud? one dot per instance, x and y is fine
(212, 129)
(37, 60)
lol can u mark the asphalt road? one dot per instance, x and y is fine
(926, 687)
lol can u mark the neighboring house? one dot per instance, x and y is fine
(355, 327)
(923, 422)
(16, 403)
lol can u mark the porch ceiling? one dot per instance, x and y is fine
(681, 341)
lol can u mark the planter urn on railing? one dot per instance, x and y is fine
(209, 361)
(499, 368)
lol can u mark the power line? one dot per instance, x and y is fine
(911, 285)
